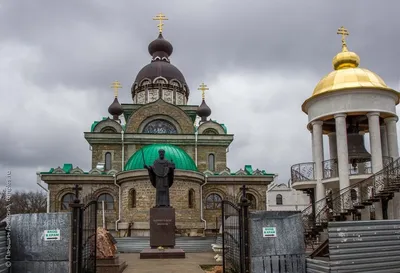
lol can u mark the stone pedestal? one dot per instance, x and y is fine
(169, 253)
(162, 236)
(162, 227)
(110, 265)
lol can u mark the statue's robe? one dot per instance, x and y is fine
(162, 177)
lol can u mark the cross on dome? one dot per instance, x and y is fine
(116, 85)
(344, 32)
(203, 88)
(160, 17)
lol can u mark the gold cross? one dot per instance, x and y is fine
(116, 85)
(344, 32)
(203, 88)
(160, 17)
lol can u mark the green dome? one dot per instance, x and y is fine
(181, 159)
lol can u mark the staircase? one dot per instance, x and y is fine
(349, 202)
(188, 244)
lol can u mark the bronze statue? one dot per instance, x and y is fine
(162, 177)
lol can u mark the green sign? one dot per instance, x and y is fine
(269, 232)
(52, 235)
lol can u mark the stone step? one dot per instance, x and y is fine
(188, 244)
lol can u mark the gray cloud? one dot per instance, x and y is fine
(57, 60)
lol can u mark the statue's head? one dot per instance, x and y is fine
(161, 153)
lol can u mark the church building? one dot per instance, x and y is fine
(159, 117)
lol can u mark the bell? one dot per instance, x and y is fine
(356, 147)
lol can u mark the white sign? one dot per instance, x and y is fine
(52, 235)
(269, 232)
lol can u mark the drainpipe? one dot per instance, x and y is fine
(39, 182)
(119, 202)
(201, 203)
(123, 151)
(195, 146)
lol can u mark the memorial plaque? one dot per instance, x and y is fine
(162, 227)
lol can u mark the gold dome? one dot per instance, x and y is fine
(347, 74)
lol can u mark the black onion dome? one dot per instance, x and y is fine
(203, 111)
(160, 45)
(160, 69)
(115, 109)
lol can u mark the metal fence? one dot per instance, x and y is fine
(285, 263)
(361, 246)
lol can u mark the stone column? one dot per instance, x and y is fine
(318, 149)
(375, 141)
(342, 150)
(332, 145)
(384, 141)
(391, 131)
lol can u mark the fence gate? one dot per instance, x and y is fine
(84, 230)
(235, 239)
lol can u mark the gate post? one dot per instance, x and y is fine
(244, 210)
(223, 235)
(76, 230)
(76, 237)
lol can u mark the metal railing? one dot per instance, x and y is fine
(359, 166)
(303, 172)
(378, 186)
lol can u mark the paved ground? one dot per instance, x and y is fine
(188, 265)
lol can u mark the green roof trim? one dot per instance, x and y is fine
(222, 125)
(94, 124)
(248, 170)
(181, 159)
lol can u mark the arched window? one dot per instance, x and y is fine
(353, 194)
(213, 201)
(159, 126)
(211, 162)
(108, 201)
(107, 165)
(108, 130)
(191, 198)
(252, 199)
(66, 200)
(279, 199)
(132, 196)
(210, 131)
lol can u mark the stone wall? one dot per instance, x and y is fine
(99, 151)
(161, 108)
(220, 157)
(57, 191)
(186, 218)
(230, 192)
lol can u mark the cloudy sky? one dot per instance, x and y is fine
(261, 59)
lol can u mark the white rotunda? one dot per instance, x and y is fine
(347, 104)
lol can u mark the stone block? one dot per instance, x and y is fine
(162, 227)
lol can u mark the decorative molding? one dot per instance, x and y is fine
(112, 171)
(95, 171)
(59, 170)
(241, 172)
(77, 170)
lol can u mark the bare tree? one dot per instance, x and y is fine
(23, 202)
